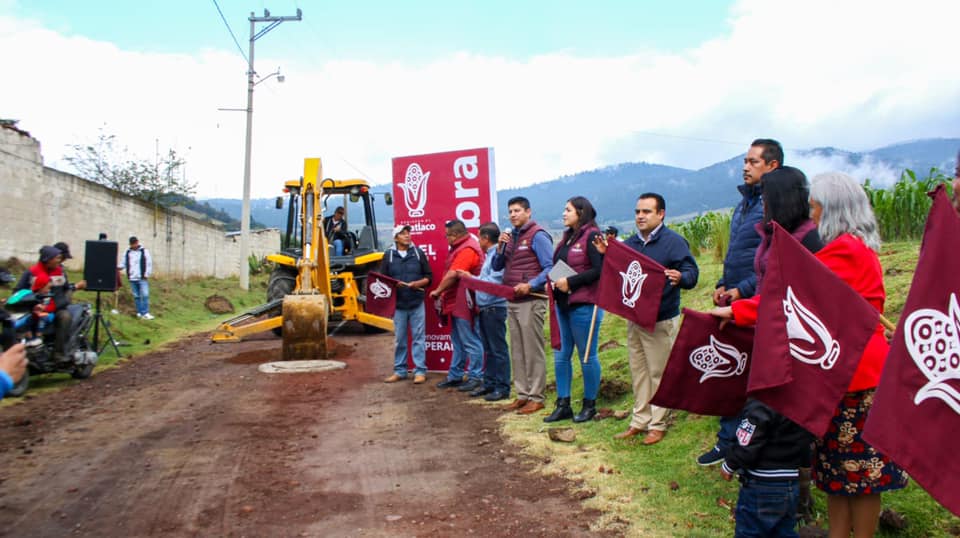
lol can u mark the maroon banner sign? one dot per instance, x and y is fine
(428, 191)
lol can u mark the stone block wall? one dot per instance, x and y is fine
(40, 206)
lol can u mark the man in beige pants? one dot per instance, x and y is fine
(525, 254)
(648, 352)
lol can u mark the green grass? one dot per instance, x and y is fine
(637, 496)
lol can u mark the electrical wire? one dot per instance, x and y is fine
(227, 24)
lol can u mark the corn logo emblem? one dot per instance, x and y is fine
(380, 289)
(718, 360)
(819, 348)
(632, 283)
(933, 341)
(415, 189)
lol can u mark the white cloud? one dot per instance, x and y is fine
(852, 74)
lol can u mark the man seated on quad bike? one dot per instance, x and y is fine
(48, 276)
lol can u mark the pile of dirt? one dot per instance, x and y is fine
(218, 304)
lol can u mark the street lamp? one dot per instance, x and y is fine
(245, 210)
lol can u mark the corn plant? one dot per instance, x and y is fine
(709, 231)
(901, 209)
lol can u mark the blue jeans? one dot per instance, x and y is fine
(767, 508)
(414, 321)
(574, 328)
(338, 247)
(727, 434)
(493, 333)
(466, 344)
(141, 295)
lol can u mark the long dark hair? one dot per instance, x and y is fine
(586, 214)
(786, 197)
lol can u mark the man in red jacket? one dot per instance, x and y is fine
(465, 254)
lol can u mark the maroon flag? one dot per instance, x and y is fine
(812, 329)
(381, 295)
(916, 409)
(555, 341)
(465, 306)
(631, 285)
(708, 367)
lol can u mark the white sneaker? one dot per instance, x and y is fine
(146, 316)
(139, 315)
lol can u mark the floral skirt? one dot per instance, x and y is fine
(845, 464)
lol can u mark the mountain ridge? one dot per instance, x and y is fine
(613, 189)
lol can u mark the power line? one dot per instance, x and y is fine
(227, 24)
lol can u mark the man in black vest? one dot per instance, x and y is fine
(409, 265)
(526, 256)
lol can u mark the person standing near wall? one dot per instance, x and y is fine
(138, 265)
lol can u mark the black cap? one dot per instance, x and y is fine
(48, 253)
(64, 249)
(612, 230)
(133, 239)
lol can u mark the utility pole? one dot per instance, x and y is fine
(273, 22)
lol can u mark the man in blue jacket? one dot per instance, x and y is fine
(648, 352)
(739, 280)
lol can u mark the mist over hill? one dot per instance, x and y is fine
(613, 190)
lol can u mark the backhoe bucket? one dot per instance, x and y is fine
(305, 327)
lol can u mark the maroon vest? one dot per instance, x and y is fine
(579, 261)
(466, 242)
(522, 263)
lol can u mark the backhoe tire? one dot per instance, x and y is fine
(282, 282)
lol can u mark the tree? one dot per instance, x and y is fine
(161, 182)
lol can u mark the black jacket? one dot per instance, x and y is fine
(769, 445)
(413, 266)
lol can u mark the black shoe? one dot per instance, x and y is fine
(480, 391)
(471, 384)
(588, 411)
(447, 383)
(710, 457)
(496, 396)
(562, 411)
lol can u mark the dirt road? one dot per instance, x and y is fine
(194, 441)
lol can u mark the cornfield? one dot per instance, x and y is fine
(902, 209)
(709, 231)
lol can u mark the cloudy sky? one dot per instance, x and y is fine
(555, 87)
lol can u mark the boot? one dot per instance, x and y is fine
(587, 412)
(562, 412)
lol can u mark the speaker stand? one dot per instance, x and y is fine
(99, 320)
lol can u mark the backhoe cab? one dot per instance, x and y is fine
(310, 284)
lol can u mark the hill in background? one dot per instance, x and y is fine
(613, 190)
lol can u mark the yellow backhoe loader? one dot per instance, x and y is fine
(314, 281)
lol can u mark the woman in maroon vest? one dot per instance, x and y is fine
(577, 314)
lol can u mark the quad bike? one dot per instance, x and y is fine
(79, 357)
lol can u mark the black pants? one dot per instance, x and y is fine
(62, 322)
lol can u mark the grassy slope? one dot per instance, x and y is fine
(637, 495)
